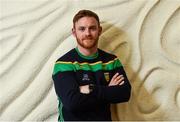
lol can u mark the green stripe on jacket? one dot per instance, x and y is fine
(74, 66)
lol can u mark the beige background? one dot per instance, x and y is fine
(144, 34)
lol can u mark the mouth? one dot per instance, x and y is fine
(88, 39)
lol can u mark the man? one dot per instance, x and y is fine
(86, 79)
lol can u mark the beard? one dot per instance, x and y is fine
(87, 43)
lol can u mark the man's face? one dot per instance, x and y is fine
(87, 32)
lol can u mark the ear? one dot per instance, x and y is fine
(74, 32)
(100, 30)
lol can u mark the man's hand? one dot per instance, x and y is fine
(84, 89)
(116, 80)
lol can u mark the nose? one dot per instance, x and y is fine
(87, 32)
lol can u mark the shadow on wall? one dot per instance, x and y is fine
(142, 104)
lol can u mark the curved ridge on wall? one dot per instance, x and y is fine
(143, 34)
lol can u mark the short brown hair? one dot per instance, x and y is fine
(85, 13)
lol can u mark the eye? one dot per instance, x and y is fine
(81, 28)
(93, 28)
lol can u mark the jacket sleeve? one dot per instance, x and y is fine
(117, 93)
(67, 89)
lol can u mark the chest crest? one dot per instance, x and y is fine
(107, 77)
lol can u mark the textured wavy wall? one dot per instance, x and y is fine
(144, 34)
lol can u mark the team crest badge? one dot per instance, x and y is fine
(106, 75)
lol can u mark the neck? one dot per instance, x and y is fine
(87, 52)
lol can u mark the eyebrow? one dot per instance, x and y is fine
(88, 26)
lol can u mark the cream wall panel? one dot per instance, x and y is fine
(144, 34)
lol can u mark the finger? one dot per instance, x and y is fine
(120, 76)
(122, 82)
(114, 77)
(120, 79)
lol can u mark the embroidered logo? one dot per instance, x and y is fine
(86, 77)
(106, 75)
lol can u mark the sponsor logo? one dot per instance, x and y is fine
(85, 77)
